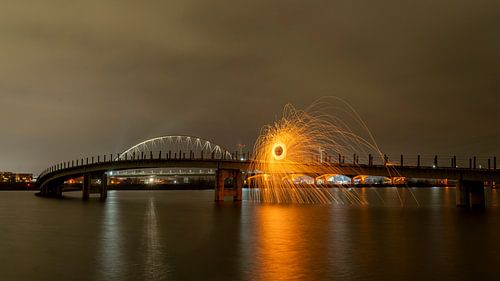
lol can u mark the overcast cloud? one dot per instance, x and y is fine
(85, 77)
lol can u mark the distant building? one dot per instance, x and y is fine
(9, 177)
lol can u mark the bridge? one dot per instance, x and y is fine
(194, 152)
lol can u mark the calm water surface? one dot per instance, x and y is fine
(184, 235)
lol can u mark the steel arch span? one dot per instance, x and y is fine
(176, 144)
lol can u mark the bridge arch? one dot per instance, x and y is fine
(176, 144)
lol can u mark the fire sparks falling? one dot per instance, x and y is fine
(305, 144)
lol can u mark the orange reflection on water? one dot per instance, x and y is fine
(285, 244)
(494, 197)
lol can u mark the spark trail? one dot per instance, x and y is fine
(304, 144)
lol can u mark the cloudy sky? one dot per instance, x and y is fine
(85, 77)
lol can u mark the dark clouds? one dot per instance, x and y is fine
(97, 76)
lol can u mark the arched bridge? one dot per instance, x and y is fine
(194, 152)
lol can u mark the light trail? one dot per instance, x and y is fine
(303, 140)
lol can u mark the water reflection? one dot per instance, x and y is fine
(111, 255)
(285, 249)
(494, 197)
(183, 235)
(154, 268)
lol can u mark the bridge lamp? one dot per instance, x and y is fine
(279, 151)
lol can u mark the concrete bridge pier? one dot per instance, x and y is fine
(219, 185)
(86, 186)
(238, 188)
(220, 190)
(470, 194)
(104, 187)
(58, 191)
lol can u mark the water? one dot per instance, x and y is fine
(184, 235)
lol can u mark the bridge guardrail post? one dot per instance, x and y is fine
(470, 163)
(494, 163)
(159, 155)
(418, 161)
(98, 158)
(401, 160)
(435, 161)
(474, 162)
(386, 159)
(151, 155)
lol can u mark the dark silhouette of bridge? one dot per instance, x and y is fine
(192, 152)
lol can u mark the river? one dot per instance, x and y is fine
(184, 235)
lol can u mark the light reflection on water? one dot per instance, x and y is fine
(154, 268)
(112, 264)
(184, 235)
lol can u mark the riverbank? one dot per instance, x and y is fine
(18, 186)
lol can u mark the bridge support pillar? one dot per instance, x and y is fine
(470, 194)
(58, 191)
(220, 191)
(86, 186)
(104, 186)
(238, 186)
(219, 185)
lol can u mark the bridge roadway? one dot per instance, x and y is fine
(470, 180)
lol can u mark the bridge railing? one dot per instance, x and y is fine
(424, 161)
(150, 155)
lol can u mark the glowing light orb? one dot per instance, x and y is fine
(279, 151)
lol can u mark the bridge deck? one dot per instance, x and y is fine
(313, 169)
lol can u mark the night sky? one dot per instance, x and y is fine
(89, 77)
